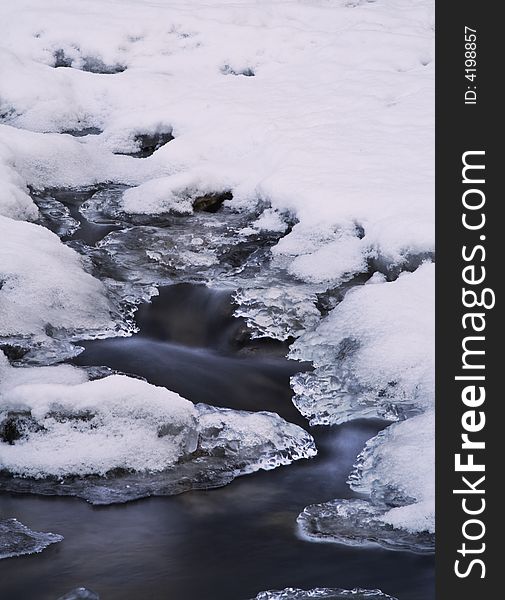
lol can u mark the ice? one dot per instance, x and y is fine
(286, 594)
(374, 353)
(359, 523)
(80, 594)
(342, 144)
(17, 539)
(397, 468)
(218, 248)
(396, 472)
(116, 439)
(316, 118)
(231, 248)
(374, 356)
(279, 311)
(327, 593)
(54, 215)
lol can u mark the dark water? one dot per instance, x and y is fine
(225, 544)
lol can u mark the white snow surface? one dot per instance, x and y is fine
(45, 284)
(96, 426)
(382, 337)
(402, 458)
(321, 108)
(335, 125)
(73, 426)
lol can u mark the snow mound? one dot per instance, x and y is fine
(396, 471)
(46, 296)
(327, 593)
(15, 201)
(118, 438)
(17, 539)
(374, 353)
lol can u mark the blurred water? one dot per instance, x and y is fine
(225, 544)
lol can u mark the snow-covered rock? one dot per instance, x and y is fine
(374, 356)
(46, 294)
(396, 472)
(374, 352)
(118, 438)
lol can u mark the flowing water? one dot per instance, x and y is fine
(225, 544)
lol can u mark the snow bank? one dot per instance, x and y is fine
(17, 539)
(334, 122)
(374, 352)
(118, 438)
(15, 201)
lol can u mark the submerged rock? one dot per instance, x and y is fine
(326, 593)
(17, 539)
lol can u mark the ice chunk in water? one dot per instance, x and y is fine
(373, 353)
(117, 439)
(396, 472)
(326, 593)
(356, 523)
(17, 539)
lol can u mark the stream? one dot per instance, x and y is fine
(229, 543)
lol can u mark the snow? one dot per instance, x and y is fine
(334, 126)
(395, 476)
(46, 290)
(17, 539)
(374, 352)
(102, 425)
(385, 472)
(320, 112)
(171, 194)
(56, 425)
(374, 356)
